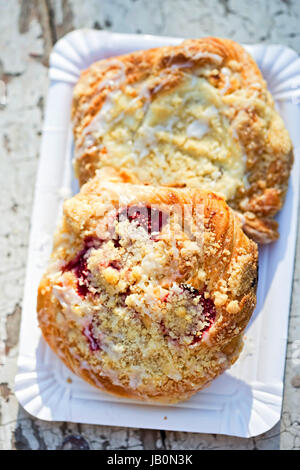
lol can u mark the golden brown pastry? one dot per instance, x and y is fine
(149, 289)
(196, 115)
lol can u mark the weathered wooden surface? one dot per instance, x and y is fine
(28, 30)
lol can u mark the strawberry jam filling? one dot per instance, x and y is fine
(79, 265)
(115, 264)
(208, 308)
(150, 219)
(205, 315)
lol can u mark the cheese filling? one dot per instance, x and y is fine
(178, 135)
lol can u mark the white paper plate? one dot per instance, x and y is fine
(245, 401)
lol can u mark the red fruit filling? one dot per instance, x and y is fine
(115, 264)
(208, 306)
(79, 265)
(150, 219)
(208, 310)
(93, 342)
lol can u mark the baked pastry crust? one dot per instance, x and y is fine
(152, 312)
(196, 115)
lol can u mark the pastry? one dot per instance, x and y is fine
(149, 289)
(194, 115)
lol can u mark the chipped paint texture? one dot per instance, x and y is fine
(28, 30)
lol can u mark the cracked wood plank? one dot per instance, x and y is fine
(29, 28)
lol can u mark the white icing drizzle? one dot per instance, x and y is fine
(117, 79)
(107, 372)
(159, 87)
(226, 72)
(112, 350)
(69, 300)
(210, 111)
(184, 65)
(234, 133)
(143, 95)
(203, 55)
(66, 295)
(102, 120)
(113, 375)
(54, 270)
(197, 129)
(135, 377)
